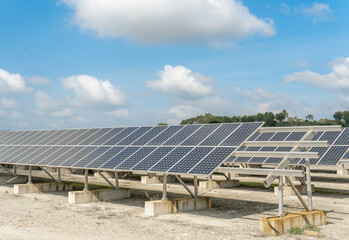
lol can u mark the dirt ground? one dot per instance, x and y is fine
(235, 214)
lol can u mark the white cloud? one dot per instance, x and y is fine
(91, 92)
(8, 103)
(38, 80)
(337, 79)
(12, 83)
(169, 21)
(181, 82)
(318, 11)
(46, 102)
(11, 115)
(121, 114)
(66, 112)
(182, 112)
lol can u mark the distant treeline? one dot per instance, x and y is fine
(273, 120)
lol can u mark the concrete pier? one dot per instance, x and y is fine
(14, 179)
(298, 219)
(343, 172)
(209, 185)
(41, 187)
(78, 197)
(157, 179)
(288, 191)
(161, 207)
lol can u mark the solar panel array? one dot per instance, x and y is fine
(338, 141)
(184, 149)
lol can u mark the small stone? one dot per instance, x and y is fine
(313, 233)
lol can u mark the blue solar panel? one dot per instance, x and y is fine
(50, 158)
(106, 137)
(242, 159)
(11, 152)
(346, 156)
(52, 137)
(240, 134)
(134, 136)
(28, 155)
(329, 136)
(171, 159)
(267, 149)
(253, 149)
(135, 158)
(214, 159)
(257, 160)
(94, 137)
(266, 136)
(117, 159)
(220, 134)
(182, 135)
(280, 136)
(83, 137)
(165, 135)
(122, 134)
(333, 155)
(254, 136)
(344, 138)
(317, 136)
(295, 136)
(29, 139)
(149, 135)
(18, 137)
(43, 154)
(66, 155)
(71, 139)
(84, 161)
(190, 160)
(200, 135)
(11, 136)
(320, 150)
(152, 159)
(78, 156)
(61, 137)
(17, 156)
(105, 157)
(242, 148)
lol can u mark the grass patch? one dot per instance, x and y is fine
(255, 185)
(300, 231)
(330, 191)
(312, 228)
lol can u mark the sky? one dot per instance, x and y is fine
(103, 63)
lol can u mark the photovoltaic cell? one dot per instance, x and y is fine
(214, 159)
(239, 135)
(31, 153)
(78, 156)
(83, 137)
(242, 148)
(30, 137)
(344, 138)
(11, 152)
(280, 136)
(253, 149)
(89, 140)
(122, 134)
(134, 136)
(50, 158)
(254, 136)
(70, 140)
(84, 161)
(18, 137)
(267, 149)
(329, 136)
(317, 136)
(346, 156)
(333, 155)
(182, 135)
(61, 137)
(265, 136)
(165, 135)
(257, 160)
(49, 139)
(15, 157)
(44, 153)
(200, 135)
(65, 156)
(149, 135)
(220, 134)
(171, 159)
(135, 158)
(320, 150)
(189, 161)
(117, 159)
(9, 137)
(295, 136)
(152, 158)
(108, 136)
(105, 157)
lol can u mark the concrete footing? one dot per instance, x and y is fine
(41, 187)
(288, 191)
(14, 179)
(160, 207)
(343, 172)
(157, 179)
(299, 219)
(105, 195)
(208, 185)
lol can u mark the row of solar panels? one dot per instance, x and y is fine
(339, 141)
(189, 135)
(167, 151)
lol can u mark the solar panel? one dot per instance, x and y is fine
(149, 135)
(135, 158)
(120, 136)
(152, 159)
(66, 155)
(134, 136)
(239, 135)
(171, 159)
(200, 135)
(295, 136)
(178, 138)
(49, 150)
(95, 136)
(58, 140)
(51, 157)
(71, 139)
(83, 161)
(333, 155)
(344, 138)
(83, 137)
(165, 135)
(330, 136)
(265, 136)
(120, 157)
(220, 134)
(78, 156)
(105, 157)
(280, 136)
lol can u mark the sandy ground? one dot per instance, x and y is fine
(235, 214)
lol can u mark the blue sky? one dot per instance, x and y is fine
(94, 63)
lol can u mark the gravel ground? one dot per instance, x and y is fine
(235, 214)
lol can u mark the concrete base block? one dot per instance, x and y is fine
(41, 187)
(157, 179)
(208, 185)
(160, 207)
(343, 172)
(299, 219)
(288, 191)
(105, 195)
(14, 179)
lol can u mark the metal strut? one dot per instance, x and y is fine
(106, 179)
(86, 180)
(50, 175)
(185, 186)
(164, 190)
(8, 170)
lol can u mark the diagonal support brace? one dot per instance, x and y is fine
(184, 185)
(288, 180)
(7, 170)
(106, 179)
(50, 175)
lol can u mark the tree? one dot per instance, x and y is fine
(162, 124)
(346, 116)
(282, 115)
(338, 116)
(309, 117)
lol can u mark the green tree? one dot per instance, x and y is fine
(309, 117)
(338, 115)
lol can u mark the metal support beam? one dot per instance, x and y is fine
(150, 175)
(30, 175)
(196, 189)
(286, 144)
(281, 196)
(59, 175)
(288, 180)
(302, 129)
(106, 179)
(86, 180)
(49, 174)
(261, 171)
(282, 165)
(276, 154)
(309, 189)
(117, 186)
(184, 185)
(164, 189)
(7, 170)
(14, 170)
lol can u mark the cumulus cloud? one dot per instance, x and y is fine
(8, 103)
(38, 80)
(337, 79)
(169, 21)
(46, 102)
(181, 82)
(65, 112)
(12, 83)
(92, 92)
(318, 11)
(120, 113)
(11, 115)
